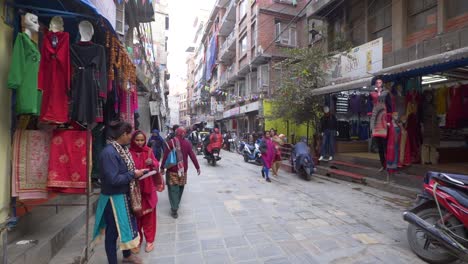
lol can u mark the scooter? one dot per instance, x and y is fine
(304, 166)
(212, 157)
(251, 153)
(438, 222)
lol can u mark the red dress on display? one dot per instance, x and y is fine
(413, 126)
(54, 77)
(67, 162)
(455, 110)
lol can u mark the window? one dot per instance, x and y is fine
(263, 77)
(316, 29)
(380, 19)
(421, 15)
(120, 18)
(254, 34)
(165, 45)
(456, 8)
(251, 83)
(242, 9)
(167, 22)
(241, 88)
(286, 35)
(243, 45)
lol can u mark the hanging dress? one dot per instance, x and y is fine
(89, 83)
(54, 77)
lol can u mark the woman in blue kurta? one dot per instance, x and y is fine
(117, 169)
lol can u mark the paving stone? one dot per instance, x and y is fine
(303, 258)
(292, 247)
(258, 238)
(365, 239)
(185, 247)
(280, 260)
(186, 236)
(196, 258)
(165, 237)
(235, 241)
(212, 244)
(163, 260)
(326, 245)
(165, 249)
(268, 250)
(242, 254)
(220, 256)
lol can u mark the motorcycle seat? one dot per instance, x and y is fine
(457, 177)
(459, 195)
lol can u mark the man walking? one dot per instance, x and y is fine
(176, 176)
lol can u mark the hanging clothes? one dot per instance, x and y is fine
(23, 75)
(393, 147)
(405, 155)
(381, 107)
(455, 110)
(67, 163)
(441, 96)
(128, 105)
(29, 165)
(413, 126)
(54, 77)
(89, 82)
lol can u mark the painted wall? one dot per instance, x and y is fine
(6, 44)
(281, 125)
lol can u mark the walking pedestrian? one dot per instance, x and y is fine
(277, 141)
(267, 148)
(117, 170)
(156, 142)
(144, 159)
(176, 176)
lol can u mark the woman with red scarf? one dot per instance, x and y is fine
(144, 159)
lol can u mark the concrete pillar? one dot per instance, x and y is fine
(366, 22)
(441, 17)
(399, 23)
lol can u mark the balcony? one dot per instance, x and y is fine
(228, 77)
(229, 20)
(228, 49)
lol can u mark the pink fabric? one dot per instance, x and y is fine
(269, 156)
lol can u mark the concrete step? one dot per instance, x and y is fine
(48, 236)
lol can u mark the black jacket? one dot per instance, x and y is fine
(328, 122)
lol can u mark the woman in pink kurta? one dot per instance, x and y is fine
(268, 150)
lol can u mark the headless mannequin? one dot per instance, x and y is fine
(86, 31)
(56, 24)
(31, 24)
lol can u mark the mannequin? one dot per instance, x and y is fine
(54, 73)
(86, 31)
(24, 68)
(393, 147)
(31, 24)
(56, 24)
(328, 124)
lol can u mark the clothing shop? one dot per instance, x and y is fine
(419, 117)
(70, 76)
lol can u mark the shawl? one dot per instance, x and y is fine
(124, 154)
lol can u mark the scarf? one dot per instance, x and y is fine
(134, 147)
(124, 154)
(180, 157)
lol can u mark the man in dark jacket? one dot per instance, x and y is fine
(328, 125)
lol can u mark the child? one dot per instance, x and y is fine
(144, 159)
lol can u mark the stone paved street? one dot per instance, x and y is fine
(231, 215)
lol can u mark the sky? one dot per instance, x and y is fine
(181, 33)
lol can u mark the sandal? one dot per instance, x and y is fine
(135, 250)
(149, 247)
(134, 259)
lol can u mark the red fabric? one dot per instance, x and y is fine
(393, 148)
(54, 77)
(414, 138)
(270, 153)
(147, 185)
(187, 150)
(455, 111)
(216, 141)
(67, 163)
(147, 225)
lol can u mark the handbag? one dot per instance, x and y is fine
(171, 160)
(135, 197)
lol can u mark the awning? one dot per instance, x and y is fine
(429, 65)
(343, 86)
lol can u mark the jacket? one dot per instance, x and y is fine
(114, 175)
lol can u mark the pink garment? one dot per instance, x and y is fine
(128, 105)
(270, 153)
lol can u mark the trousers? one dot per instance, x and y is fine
(147, 226)
(382, 147)
(175, 195)
(111, 236)
(328, 143)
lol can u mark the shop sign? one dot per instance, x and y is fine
(154, 107)
(231, 112)
(107, 9)
(220, 108)
(361, 61)
(249, 107)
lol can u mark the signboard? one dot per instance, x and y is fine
(220, 108)
(154, 108)
(249, 107)
(107, 9)
(361, 61)
(231, 112)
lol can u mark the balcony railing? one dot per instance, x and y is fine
(230, 40)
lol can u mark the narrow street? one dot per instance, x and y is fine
(229, 214)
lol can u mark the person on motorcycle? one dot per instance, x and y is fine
(301, 150)
(216, 140)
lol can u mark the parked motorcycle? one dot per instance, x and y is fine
(212, 157)
(199, 148)
(304, 166)
(251, 153)
(437, 232)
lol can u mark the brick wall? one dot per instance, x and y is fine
(419, 36)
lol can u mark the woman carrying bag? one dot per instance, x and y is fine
(144, 159)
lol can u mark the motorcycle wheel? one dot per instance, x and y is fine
(246, 159)
(305, 175)
(426, 248)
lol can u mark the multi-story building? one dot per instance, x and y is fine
(184, 117)
(173, 101)
(241, 42)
